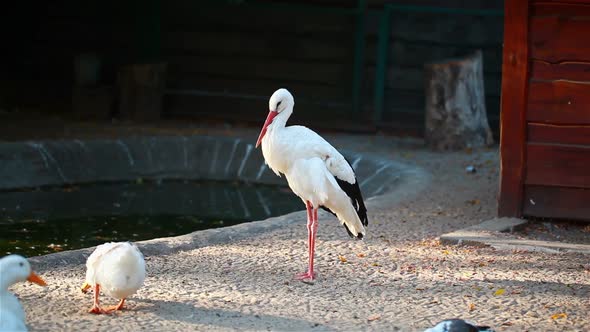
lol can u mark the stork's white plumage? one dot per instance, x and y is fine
(315, 171)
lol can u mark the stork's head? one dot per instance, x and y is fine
(280, 101)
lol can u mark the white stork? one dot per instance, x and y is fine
(315, 171)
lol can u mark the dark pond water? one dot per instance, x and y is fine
(55, 219)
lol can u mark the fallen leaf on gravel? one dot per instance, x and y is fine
(472, 201)
(361, 255)
(558, 316)
(373, 317)
(445, 252)
(342, 259)
(499, 292)
(471, 306)
(375, 264)
(507, 324)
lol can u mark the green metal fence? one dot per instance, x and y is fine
(383, 41)
(360, 12)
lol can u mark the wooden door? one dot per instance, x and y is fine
(545, 138)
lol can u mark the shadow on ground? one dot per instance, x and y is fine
(192, 314)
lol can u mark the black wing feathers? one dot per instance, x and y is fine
(354, 192)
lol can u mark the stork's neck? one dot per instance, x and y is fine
(280, 121)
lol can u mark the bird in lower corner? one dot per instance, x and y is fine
(118, 270)
(458, 325)
(13, 269)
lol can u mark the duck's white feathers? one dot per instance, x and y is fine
(12, 315)
(13, 269)
(118, 267)
(303, 143)
(10, 322)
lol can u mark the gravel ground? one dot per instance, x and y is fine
(564, 231)
(398, 278)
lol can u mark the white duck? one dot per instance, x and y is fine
(14, 268)
(116, 268)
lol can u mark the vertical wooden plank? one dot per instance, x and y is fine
(383, 38)
(147, 29)
(513, 103)
(359, 55)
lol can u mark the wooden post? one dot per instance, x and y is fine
(513, 103)
(90, 99)
(141, 87)
(456, 115)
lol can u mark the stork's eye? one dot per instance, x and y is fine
(278, 104)
(21, 264)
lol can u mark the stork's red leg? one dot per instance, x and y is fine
(314, 231)
(96, 309)
(312, 227)
(309, 224)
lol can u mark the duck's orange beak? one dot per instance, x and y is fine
(36, 279)
(85, 287)
(271, 115)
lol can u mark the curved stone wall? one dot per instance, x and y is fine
(60, 162)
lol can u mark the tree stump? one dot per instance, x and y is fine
(141, 87)
(456, 115)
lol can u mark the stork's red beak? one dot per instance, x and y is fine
(271, 115)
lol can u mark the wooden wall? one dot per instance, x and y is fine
(250, 52)
(545, 144)
(230, 59)
(419, 38)
(44, 38)
(227, 60)
(557, 176)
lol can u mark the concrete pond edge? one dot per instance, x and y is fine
(33, 164)
(498, 233)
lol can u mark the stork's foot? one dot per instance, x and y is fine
(305, 276)
(98, 310)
